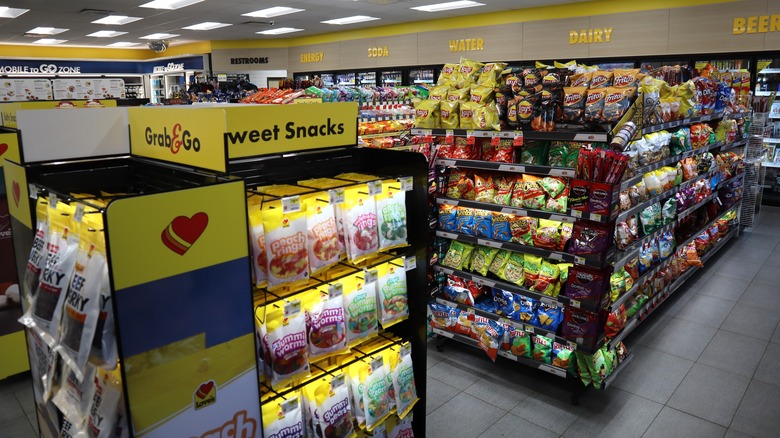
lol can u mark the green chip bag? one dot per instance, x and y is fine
(482, 258)
(458, 255)
(497, 265)
(542, 349)
(582, 368)
(513, 270)
(564, 268)
(563, 356)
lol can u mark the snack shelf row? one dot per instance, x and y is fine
(385, 118)
(560, 372)
(559, 301)
(614, 375)
(569, 215)
(597, 137)
(692, 120)
(586, 260)
(507, 167)
(640, 172)
(661, 296)
(528, 328)
(369, 105)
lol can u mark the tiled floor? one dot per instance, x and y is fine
(705, 366)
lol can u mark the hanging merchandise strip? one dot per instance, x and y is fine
(587, 260)
(560, 372)
(559, 301)
(663, 196)
(506, 167)
(569, 215)
(650, 306)
(596, 137)
(692, 120)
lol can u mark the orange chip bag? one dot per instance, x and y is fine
(601, 79)
(580, 79)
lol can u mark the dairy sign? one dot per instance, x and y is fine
(44, 69)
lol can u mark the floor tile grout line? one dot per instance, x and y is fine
(752, 378)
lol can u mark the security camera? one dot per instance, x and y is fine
(271, 23)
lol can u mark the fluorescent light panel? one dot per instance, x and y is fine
(159, 36)
(117, 20)
(123, 44)
(6, 12)
(438, 7)
(350, 20)
(273, 12)
(49, 41)
(208, 25)
(279, 31)
(169, 4)
(46, 31)
(106, 34)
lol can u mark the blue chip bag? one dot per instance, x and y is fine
(483, 224)
(448, 218)
(487, 305)
(666, 245)
(501, 230)
(645, 258)
(527, 312)
(505, 302)
(465, 221)
(549, 317)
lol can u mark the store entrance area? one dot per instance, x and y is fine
(706, 366)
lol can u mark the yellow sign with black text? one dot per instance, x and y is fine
(8, 110)
(186, 136)
(17, 192)
(158, 236)
(262, 130)
(9, 148)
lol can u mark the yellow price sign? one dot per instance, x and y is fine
(18, 193)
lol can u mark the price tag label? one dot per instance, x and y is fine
(370, 276)
(52, 200)
(574, 303)
(292, 308)
(32, 190)
(446, 334)
(496, 140)
(579, 260)
(336, 196)
(529, 329)
(289, 406)
(337, 381)
(79, 214)
(518, 140)
(375, 188)
(335, 290)
(556, 256)
(377, 362)
(410, 263)
(407, 183)
(449, 137)
(448, 163)
(596, 217)
(291, 204)
(484, 282)
(489, 243)
(447, 235)
(511, 168)
(428, 138)
(379, 431)
(576, 213)
(572, 345)
(471, 140)
(406, 349)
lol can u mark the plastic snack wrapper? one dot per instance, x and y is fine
(326, 323)
(322, 239)
(391, 213)
(360, 219)
(283, 419)
(104, 348)
(458, 255)
(72, 399)
(360, 309)
(517, 342)
(489, 337)
(376, 402)
(330, 404)
(285, 245)
(105, 396)
(285, 342)
(426, 114)
(542, 349)
(256, 233)
(449, 114)
(392, 294)
(37, 259)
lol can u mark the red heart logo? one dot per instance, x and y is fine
(3, 148)
(205, 389)
(17, 193)
(183, 232)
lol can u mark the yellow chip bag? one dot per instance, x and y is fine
(485, 117)
(439, 92)
(467, 110)
(462, 95)
(446, 74)
(450, 114)
(426, 114)
(482, 94)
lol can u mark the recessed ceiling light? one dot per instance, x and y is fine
(350, 20)
(279, 31)
(438, 7)
(123, 44)
(169, 4)
(106, 34)
(159, 36)
(49, 41)
(116, 20)
(273, 12)
(46, 31)
(208, 25)
(6, 12)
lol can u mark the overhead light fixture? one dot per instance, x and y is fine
(169, 4)
(159, 36)
(6, 12)
(49, 41)
(123, 44)
(273, 12)
(438, 7)
(106, 34)
(208, 25)
(350, 20)
(116, 20)
(46, 31)
(279, 31)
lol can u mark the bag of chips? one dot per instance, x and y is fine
(625, 78)
(484, 188)
(466, 114)
(501, 230)
(465, 221)
(533, 267)
(542, 349)
(548, 277)
(601, 79)
(574, 104)
(448, 217)
(534, 153)
(449, 112)
(440, 316)
(547, 235)
(438, 93)
(533, 194)
(485, 117)
(458, 255)
(616, 103)
(512, 270)
(517, 342)
(580, 79)
(527, 312)
(482, 258)
(490, 334)
(497, 266)
(562, 356)
(549, 316)
(426, 114)
(594, 105)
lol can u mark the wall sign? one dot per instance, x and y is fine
(467, 45)
(312, 57)
(378, 52)
(590, 36)
(756, 24)
(256, 60)
(171, 66)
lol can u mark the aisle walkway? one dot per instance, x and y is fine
(706, 365)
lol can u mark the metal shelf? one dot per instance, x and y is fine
(592, 261)
(681, 122)
(598, 137)
(507, 167)
(569, 215)
(612, 377)
(662, 197)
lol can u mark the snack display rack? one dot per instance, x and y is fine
(614, 259)
(199, 345)
(754, 169)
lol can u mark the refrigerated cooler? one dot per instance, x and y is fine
(422, 76)
(345, 79)
(367, 78)
(392, 78)
(170, 85)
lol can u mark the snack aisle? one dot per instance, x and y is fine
(527, 265)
